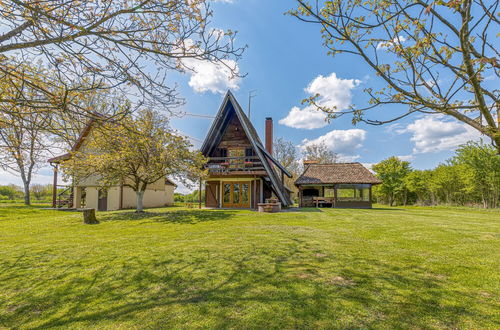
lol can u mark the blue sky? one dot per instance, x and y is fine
(283, 58)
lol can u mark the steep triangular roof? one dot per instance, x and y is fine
(218, 128)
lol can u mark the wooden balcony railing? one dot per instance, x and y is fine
(233, 164)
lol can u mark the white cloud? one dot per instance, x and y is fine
(335, 93)
(387, 44)
(369, 166)
(406, 158)
(342, 142)
(307, 118)
(437, 133)
(214, 77)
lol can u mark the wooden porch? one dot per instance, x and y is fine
(240, 165)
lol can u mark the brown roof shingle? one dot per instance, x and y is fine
(336, 173)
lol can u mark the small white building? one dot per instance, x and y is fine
(118, 197)
(89, 194)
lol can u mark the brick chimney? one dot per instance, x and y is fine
(269, 135)
(309, 162)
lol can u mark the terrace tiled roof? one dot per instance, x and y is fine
(337, 173)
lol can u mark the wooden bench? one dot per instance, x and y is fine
(318, 200)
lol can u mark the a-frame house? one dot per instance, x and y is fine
(242, 172)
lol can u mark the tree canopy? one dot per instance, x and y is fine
(90, 45)
(319, 152)
(470, 177)
(433, 57)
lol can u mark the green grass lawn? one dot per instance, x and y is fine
(184, 268)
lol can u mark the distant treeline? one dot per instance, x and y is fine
(12, 192)
(470, 178)
(189, 198)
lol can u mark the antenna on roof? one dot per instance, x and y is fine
(251, 95)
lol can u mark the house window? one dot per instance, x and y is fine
(249, 153)
(221, 152)
(236, 156)
(353, 192)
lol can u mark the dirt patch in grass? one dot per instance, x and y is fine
(341, 281)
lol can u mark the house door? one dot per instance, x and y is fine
(236, 194)
(211, 196)
(102, 202)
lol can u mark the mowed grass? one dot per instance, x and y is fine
(186, 268)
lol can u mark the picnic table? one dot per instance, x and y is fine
(323, 200)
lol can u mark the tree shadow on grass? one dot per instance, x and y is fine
(260, 287)
(174, 216)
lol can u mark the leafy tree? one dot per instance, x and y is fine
(41, 191)
(392, 171)
(432, 56)
(286, 153)
(122, 45)
(136, 153)
(448, 183)
(319, 152)
(417, 182)
(484, 167)
(23, 141)
(11, 191)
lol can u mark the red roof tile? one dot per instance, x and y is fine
(336, 173)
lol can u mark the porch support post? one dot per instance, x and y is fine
(334, 195)
(77, 197)
(254, 194)
(199, 196)
(300, 197)
(54, 186)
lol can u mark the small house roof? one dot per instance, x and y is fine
(79, 142)
(336, 173)
(169, 182)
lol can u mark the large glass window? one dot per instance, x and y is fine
(353, 192)
(227, 193)
(244, 193)
(236, 193)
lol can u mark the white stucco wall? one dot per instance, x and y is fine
(91, 197)
(152, 197)
(169, 195)
(113, 198)
(157, 195)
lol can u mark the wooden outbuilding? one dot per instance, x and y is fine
(341, 185)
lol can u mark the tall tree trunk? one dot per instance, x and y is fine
(140, 196)
(26, 183)
(27, 197)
